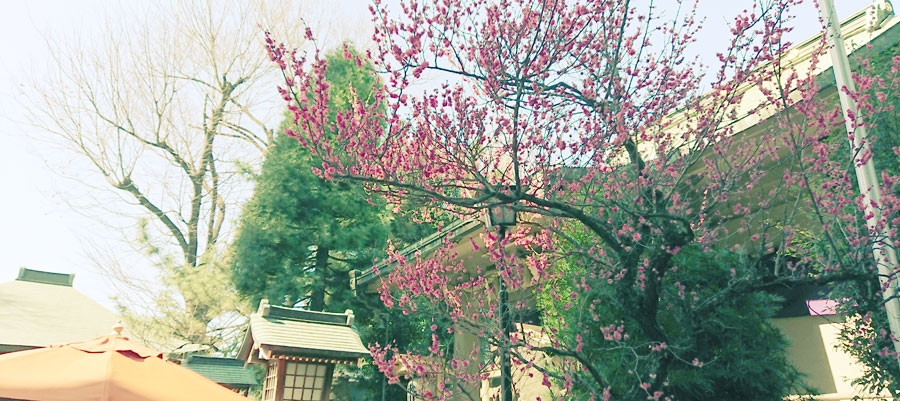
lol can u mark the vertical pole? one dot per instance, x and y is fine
(387, 340)
(882, 247)
(503, 309)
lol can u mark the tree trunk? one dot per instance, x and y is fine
(317, 298)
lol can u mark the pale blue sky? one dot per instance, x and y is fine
(37, 228)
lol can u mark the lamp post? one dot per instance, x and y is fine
(503, 216)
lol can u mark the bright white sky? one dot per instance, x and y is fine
(38, 229)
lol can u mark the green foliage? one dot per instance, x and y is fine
(300, 235)
(722, 348)
(294, 214)
(884, 120)
(191, 305)
(409, 332)
(743, 354)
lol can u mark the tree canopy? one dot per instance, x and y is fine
(626, 168)
(300, 235)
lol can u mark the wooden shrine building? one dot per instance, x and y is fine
(300, 349)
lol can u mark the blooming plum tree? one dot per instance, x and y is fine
(866, 335)
(588, 119)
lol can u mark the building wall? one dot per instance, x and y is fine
(813, 350)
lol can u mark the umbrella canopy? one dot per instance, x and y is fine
(108, 368)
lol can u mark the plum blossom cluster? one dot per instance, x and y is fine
(648, 212)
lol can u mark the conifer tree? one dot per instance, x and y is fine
(300, 235)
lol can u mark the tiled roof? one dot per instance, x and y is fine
(288, 331)
(228, 371)
(40, 309)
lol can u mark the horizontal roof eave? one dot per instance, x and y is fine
(302, 315)
(317, 353)
(752, 110)
(43, 277)
(426, 245)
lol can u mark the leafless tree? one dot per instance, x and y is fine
(169, 109)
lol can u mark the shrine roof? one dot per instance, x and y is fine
(276, 330)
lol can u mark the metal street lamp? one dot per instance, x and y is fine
(503, 216)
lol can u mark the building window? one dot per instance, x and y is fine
(306, 381)
(270, 385)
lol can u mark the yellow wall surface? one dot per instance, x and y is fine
(813, 350)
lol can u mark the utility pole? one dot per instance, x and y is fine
(869, 187)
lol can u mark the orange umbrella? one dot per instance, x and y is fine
(109, 368)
